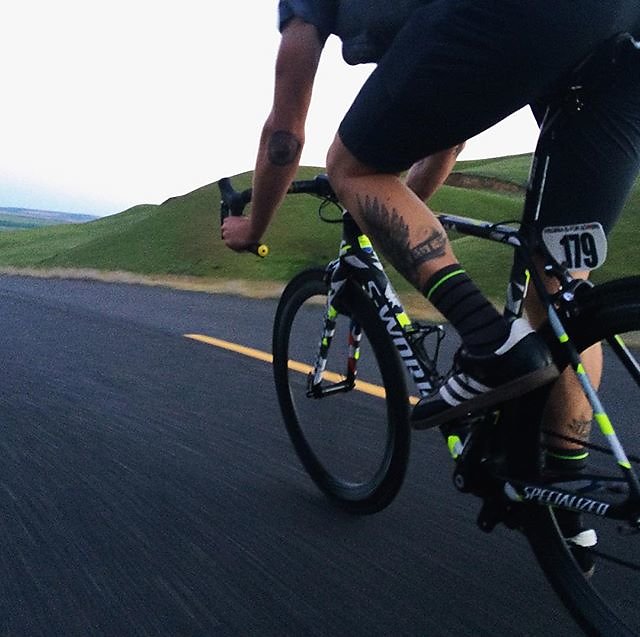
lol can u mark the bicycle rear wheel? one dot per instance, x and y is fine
(354, 444)
(606, 601)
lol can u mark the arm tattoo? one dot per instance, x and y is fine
(283, 148)
(390, 231)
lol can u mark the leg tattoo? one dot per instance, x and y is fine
(432, 248)
(579, 429)
(391, 233)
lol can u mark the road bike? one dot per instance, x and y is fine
(341, 335)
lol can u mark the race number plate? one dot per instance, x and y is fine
(579, 247)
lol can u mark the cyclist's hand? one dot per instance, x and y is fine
(237, 233)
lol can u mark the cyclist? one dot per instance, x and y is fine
(455, 68)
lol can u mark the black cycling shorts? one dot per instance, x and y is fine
(460, 66)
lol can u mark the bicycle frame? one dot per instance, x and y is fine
(359, 262)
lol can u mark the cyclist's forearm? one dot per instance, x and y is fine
(276, 166)
(283, 133)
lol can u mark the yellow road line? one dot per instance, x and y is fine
(363, 386)
(233, 347)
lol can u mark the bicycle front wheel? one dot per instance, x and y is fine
(600, 582)
(352, 441)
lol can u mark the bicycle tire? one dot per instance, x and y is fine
(594, 601)
(314, 435)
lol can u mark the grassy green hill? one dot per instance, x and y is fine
(514, 169)
(181, 237)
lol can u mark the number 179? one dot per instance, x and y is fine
(580, 250)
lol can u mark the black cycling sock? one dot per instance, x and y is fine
(482, 328)
(566, 460)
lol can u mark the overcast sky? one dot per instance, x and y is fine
(107, 104)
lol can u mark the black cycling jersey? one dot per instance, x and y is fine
(320, 13)
(365, 27)
(457, 67)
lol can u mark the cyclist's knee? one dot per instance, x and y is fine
(342, 167)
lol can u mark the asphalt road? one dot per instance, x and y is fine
(147, 487)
